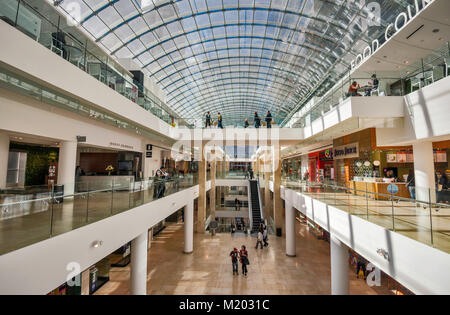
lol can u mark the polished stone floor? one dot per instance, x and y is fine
(208, 270)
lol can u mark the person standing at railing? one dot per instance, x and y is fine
(257, 121)
(160, 182)
(246, 124)
(219, 121)
(208, 120)
(442, 188)
(268, 119)
(411, 184)
(373, 83)
(353, 89)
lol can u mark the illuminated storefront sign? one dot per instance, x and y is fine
(401, 20)
(347, 151)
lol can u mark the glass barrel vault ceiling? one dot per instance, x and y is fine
(235, 56)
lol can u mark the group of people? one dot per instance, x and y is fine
(372, 85)
(209, 121)
(250, 174)
(257, 120)
(241, 256)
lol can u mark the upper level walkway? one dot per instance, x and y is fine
(81, 228)
(407, 239)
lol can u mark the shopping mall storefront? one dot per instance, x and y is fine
(362, 165)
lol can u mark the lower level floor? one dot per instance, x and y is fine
(209, 271)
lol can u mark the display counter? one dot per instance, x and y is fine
(377, 187)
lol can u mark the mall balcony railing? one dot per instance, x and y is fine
(420, 218)
(84, 54)
(26, 222)
(14, 82)
(424, 72)
(232, 175)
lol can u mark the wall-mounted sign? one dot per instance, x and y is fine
(149, 154)
(122, 146)
(81, 138)
(400, 21)
(326, 155)
(149, 147)
(391, 158)
(348, 151)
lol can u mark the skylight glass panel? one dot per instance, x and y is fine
(224, 52)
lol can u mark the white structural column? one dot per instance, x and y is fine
(339, 267)
(424, 171)
(189, 227)
(66, 166)
(4, 153)
(138, 276)
(290, 226)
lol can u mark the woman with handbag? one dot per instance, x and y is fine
(244, 259)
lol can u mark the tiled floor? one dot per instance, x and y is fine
(208, 269)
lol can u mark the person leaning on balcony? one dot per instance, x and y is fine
(411, 184)
(219, 121)
(208, 120)
(257, 120)
(269, 119)
(353, 89)
(373, 83)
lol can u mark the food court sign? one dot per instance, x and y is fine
(400, 21)
(348, 151)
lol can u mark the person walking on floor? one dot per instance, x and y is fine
(234, 261)
(243, 254)
(361, 266)
(260, 239)
(265, 237)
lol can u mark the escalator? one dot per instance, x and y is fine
(255, 207)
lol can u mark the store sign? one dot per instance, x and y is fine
(122, 146)
(348, 151)
(149, 147)
(81, 138)
(326, 155)
(149, 154)
(400, 21)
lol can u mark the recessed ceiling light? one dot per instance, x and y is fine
(406, 62)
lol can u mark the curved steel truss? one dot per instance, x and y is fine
(235, 56)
